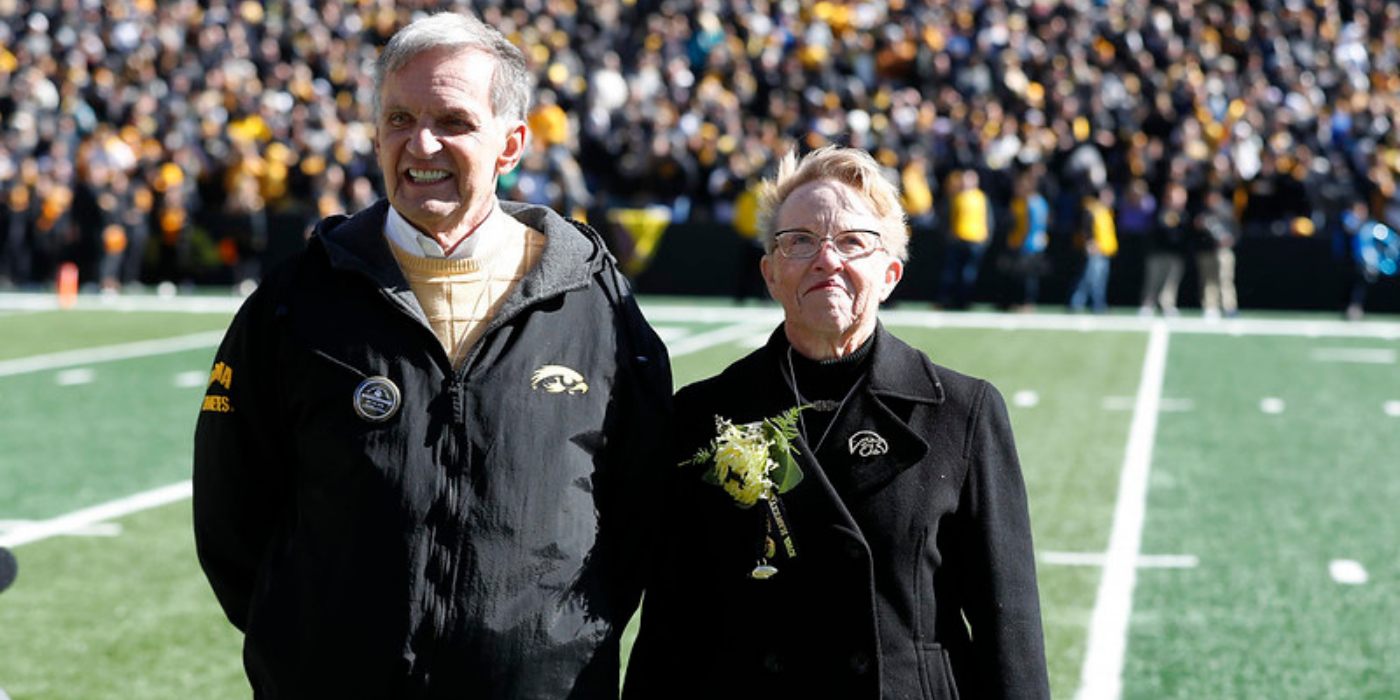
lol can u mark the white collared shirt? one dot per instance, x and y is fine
(415, 242)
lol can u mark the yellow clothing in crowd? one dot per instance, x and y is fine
(915, 190)
(550, 125)
(1021, 223)
(746, 212)
(1102, 228)
(969, 216)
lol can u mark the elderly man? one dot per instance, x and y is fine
(424, 466)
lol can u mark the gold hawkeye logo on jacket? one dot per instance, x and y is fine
(558, 379)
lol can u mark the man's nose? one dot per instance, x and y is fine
(424, 142)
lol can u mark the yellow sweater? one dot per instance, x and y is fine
(461, 296)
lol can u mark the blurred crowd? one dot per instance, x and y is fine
(179, 140)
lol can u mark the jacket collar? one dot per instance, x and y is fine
(898, 371)
(572, 253)
(872, 440)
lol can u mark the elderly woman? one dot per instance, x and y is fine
(875, 543)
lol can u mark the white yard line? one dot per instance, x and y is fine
(685, 313)
(1374, 356)
(719, 336)
(1144, 561)
(96, 530)
(109, 353)
(78, 521)
(715, 310)
(1101, 677)
(86, 521)
(205, 304)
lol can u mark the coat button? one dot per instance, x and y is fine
(853, 549)
(860, 663)
(773, 662)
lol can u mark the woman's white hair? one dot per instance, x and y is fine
(852, 167)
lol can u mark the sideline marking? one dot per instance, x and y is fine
(668, 334)
(1348, 571)
(1144, 561)
(1025, 399)
(110, 353)
(190, 379)
(910, 313)
(1101, 677)
(1165, 404)
(33, 302)
(94, 530)
(719, 336)
(1374, 356)
(81, 520)
(76, 376)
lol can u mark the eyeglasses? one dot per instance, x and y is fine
(849, 245)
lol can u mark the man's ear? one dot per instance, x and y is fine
(894, 272)
(517, 138)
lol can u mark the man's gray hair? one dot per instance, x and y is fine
(512, 85)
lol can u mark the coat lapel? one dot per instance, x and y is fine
(873, 439)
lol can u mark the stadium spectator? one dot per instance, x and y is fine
(1373, 253)
(1168, 243)
(1097, 92)
(1215, 234)
(1098, 239)
(426, 463)
(1025, 261)
(968, 235)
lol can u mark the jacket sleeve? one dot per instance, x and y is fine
(679, 614)
(640, 422)
(236, 497)
(1003, 600)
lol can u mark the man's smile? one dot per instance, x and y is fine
(426, 176)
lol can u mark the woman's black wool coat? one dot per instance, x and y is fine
(914, 575)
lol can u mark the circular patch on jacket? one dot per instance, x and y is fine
(376, 399)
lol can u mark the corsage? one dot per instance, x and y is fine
(753, 463)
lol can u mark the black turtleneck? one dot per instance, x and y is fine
(825, 384)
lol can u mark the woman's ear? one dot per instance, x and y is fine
(765, 267)
(894, 272)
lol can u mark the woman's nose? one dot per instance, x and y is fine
(827, 257)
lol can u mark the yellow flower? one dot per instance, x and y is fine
(742, 463)
(752, 461)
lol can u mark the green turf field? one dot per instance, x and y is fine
(1213, 503)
